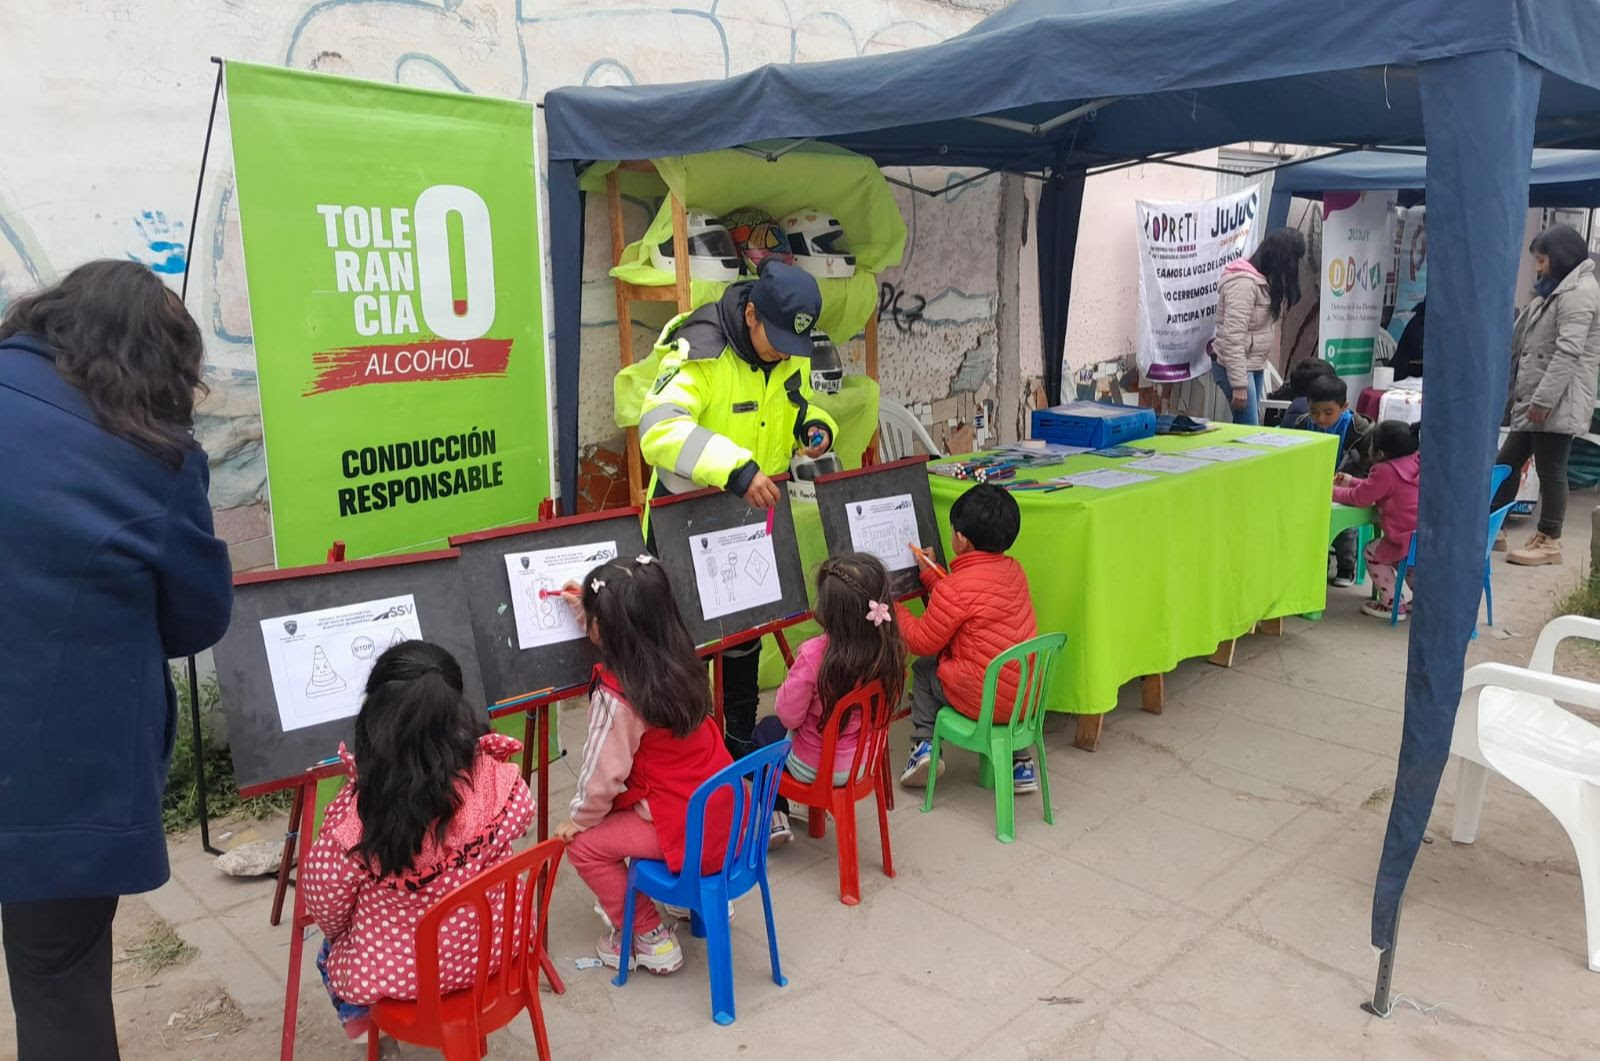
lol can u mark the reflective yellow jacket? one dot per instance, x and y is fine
(711, 412)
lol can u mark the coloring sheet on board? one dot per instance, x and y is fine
(320, 660)
(885, 527)
(735, 569)
(548, 620)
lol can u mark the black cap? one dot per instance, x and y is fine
(788, 302)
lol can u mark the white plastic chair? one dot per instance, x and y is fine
(1515, 727)
(1272, 379)
(900, 434)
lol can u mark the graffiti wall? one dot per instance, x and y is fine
(115, 103)
(112, 100)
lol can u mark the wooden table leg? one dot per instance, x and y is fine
(1223, 656)
(1271, 627)
(1088, 735)
(1153, 693)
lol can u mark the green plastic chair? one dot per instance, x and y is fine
(995, 744)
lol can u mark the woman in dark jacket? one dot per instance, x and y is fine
(108, 567)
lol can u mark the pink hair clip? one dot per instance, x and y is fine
(878, 613)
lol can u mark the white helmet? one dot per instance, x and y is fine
(817, 241)
(712, 255)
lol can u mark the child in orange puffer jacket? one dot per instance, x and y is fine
(977, 611)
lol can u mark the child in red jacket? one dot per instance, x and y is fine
(977, 611)
(431, 803)
(652, 741)
(1392, 488)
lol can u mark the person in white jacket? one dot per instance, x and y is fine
(1251, 299)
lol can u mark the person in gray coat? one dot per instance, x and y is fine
(1252, 296)
(1555, 348)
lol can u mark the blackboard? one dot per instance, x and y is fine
(508, 669)
(693, 534)
(839, 494)
(265, 754)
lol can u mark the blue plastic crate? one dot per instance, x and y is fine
(1093, 424)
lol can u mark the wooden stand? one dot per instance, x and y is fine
(536, 744)
(679, 294)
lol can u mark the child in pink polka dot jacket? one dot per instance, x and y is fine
(433, 804)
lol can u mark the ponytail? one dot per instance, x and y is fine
(415, 737)
(864, 642)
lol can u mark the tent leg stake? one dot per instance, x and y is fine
(1380, 1006)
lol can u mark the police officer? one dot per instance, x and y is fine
(730, 405)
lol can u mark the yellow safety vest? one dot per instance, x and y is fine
(710, 411)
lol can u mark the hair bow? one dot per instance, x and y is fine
(644, 559)
(878, 613)
(597, 585)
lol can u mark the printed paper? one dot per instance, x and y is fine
(1173, 465)
(320, 660)
(885, 527)
(1276, 439)
(1222, 453)
(735, 569)
(1105, 479)
(545, 620)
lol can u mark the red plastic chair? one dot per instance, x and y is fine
(872, 707)
(458, 1024)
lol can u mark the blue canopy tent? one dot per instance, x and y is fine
(1061, 88)
(1558, 178)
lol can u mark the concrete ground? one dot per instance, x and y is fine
(1205, 892)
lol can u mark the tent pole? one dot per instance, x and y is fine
(624, 335)
(1381, 1006)
(197, 735)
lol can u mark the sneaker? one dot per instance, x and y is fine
(656, 951)
(1501, 542)
(1024, 776)
(781, 833)
(1540, 550)
(1379, 610)
(1342, 580)
(915, 775)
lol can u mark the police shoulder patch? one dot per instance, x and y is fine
(664, 379)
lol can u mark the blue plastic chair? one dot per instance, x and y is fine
(753, 784)
(1497, 519)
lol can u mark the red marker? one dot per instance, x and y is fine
(770, 513)
(546, 594)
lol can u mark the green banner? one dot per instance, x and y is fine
(392, 254)
(1349, 357)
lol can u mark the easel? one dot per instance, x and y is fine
(302, 823)
(715, 649)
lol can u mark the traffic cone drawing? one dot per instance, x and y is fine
(324, 679)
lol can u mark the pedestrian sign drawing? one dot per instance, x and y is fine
(734, 570)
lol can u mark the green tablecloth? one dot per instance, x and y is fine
(1142, 577)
